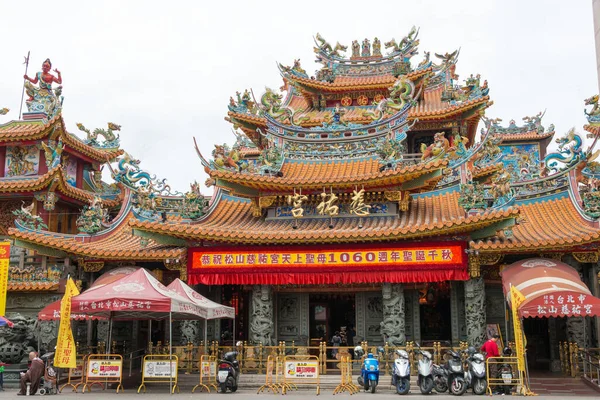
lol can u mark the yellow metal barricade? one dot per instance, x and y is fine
(269, 382)
(102, 369)
(75, 376)
(346, 384)
(279, 381)
(208, 373)
(516, 378)
(301, 370)
(160, 368)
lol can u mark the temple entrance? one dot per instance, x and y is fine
(330, 313)
(538, 343)
(435, 313)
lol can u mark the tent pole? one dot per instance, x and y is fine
(110, 325)
(234, 341)
(170, 353)
(149, 333)
(205, 336)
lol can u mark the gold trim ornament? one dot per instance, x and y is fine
(377, 99)
(362, 100)
(346, 101)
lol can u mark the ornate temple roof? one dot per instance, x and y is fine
(56, 179)
(345, 174)
(232, 221)
(118, 243)
(540, 230)
(19, 131)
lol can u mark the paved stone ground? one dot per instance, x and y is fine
(547, 386)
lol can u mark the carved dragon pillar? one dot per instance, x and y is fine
(475, 314)
(262, 325)
(393, 326)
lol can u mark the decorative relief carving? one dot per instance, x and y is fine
(393, 328)
(490, 258)
(261, 319)
(475, 311)
(586, 257)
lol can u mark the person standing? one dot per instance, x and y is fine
(490, 349)
(33, 375)
(336, 340)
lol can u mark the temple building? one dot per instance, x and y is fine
(361, 199)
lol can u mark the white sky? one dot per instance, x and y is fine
(165, 70)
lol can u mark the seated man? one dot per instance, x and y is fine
(33, 375)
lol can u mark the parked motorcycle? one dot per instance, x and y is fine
(401, 372)
(475, 376)
(48, 381)
(505, 372)
(440, 378)
(424, 368)
(369, 371)
(456, 374)
(229, 372)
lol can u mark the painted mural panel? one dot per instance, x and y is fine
(71, 170)
(522, 161)
(22, 161)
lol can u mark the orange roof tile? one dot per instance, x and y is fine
(540, 229)
(425, 110)
(118, 244)
(533, 135)
(361, 82)
(37, 129)
(232, 222)
(40, 182)
(252, 119)
(32, 286)
(342, 173)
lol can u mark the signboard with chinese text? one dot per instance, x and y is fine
(98, 368)
(4, 265)
(160, 369)
(561, 304)
(326, 264)
(296, 369)
(66, 353)
(517, 299)
(334, 258)
(209, 368)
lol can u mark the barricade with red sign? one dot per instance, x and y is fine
(208, 374)
(301, 370)
(159, 368)
(102, 369)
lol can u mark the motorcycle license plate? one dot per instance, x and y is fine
(222, 376)
(507, 378)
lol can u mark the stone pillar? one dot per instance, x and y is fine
(416, 316)
(475, 311)
(261, 315)
(392, 327)
(189, 332)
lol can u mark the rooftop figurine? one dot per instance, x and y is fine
(42, 98)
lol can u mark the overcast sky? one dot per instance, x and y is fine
(165, 70)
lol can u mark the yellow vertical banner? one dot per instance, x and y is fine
(66, 353)
(4, 265)
(516, 299)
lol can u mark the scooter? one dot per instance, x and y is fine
(475, 376)
(505, 372)
(440, 378)
(369, 371)
(456, 374)
(424, 367)
(401, 372)
(48, 382)
(229, 372)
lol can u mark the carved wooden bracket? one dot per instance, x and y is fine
(552, 256)
(402, 198)
(490, 258)
(260, 203)
(90, 266)
(177, 264)
(586, 256)
(474, 265)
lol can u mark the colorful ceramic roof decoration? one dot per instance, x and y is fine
(375, 148)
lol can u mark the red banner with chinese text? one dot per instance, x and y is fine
(423, 262)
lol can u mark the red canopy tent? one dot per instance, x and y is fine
(551, 289)
(52, 311)
(138, 295)
(212, 309)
